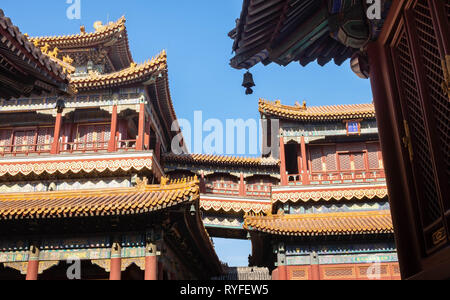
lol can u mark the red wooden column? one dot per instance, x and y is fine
(397, 177)
(304, 162)
(112, 146)
(242, 191)
(284, 178)
(299, 159)
(281, 261)
(141, 128)
(203, 184)
(151, 262)
(116, 262)
(57, 133)
(315, 267)
(33, 263)
(148, 129)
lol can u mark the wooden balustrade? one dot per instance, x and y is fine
(13, 150)
(357, 176)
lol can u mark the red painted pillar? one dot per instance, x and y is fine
(116, 262)
(282, 263)
(33, 264)
(282, 273)
(284, 178)
(203, 184)
(242, 191)
(112, 146)
(315, 272)
(147, 135)
(299, 159)
(141, 128)
(151, 262)
(305, 176)
(57, 133)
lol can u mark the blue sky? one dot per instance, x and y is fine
(194, 33)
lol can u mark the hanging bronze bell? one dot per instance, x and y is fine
(248, 83)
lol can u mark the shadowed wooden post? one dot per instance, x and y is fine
(116, 261)
(33, 263)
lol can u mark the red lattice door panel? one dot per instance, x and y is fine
(93, 137)
(5, 140)
(24, 140)
(419, 52)
(45, 139)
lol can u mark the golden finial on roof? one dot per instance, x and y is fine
(304, 105)
(141, 184)
(46, 48)
(54, 53)
(83, 29)
(67, 59)
(164, 181)
(278, 102)
(133, 65)
(36, 43)
(98, 26)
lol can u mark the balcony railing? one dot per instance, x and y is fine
(83, 147)
(357, 176)
(73, 147)
(35, 149)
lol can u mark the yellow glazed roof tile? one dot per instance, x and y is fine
(220, 160)
(326, 224)
(102, 32)
(316, 113)
(103, 202)
(134, 73)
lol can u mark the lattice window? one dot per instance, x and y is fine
(5, 140)
(345, 162)
(94, 136)
(24, 140)
(358, 159)
(316, 159)
(299, 274)
(331, 158)
(374, 161)
(45, 138)
(384, 271)
(432, 61)
(419, 135)
(341, 272)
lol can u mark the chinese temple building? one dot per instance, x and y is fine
(330, 215)
(320, 200)
(81, 176)
(230, 187)
(24, 69)
(404, 48)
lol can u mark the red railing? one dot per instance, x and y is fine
(25, 149)
(230, 189)
(37, 149)
(126, 145)
(358, 176)
(83, 147)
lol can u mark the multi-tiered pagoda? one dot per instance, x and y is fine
(316, 208)
(81, 176)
